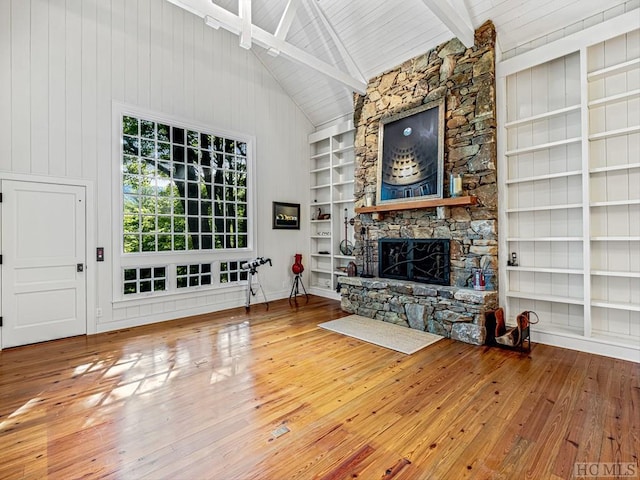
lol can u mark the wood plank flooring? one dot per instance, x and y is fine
(203, 397)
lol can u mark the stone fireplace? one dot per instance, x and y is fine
(465, 78)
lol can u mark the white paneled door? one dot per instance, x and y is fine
(43, 270)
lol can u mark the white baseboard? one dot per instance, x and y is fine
(588, 345)
(199, 310)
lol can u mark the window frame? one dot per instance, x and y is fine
(169, 259)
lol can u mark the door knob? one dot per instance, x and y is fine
(80, 267)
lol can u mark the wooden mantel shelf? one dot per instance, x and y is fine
(431, 203)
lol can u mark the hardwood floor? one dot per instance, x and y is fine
(203, 397)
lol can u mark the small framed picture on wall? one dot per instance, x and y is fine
(286, 216)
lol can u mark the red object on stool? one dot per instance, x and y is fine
(297, 267)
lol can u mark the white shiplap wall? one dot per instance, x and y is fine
(556, 21)
(63, 63)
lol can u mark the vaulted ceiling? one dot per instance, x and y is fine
(321, 51)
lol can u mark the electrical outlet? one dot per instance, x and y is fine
(98, 312)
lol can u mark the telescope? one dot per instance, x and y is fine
(252, 265)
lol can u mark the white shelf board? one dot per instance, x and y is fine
(328, 237)
(321, 270)
(617, 306)
(321, 221)
(340, 150)
(344, 182)
(340, 273)
(614, 133)
(545, 207)
(318, 187)
(542, 146)
(553, 328)
(620, 97)
(345, 257)
(543, 116)
(348, 200)
(545, 297)
(615, 203)
(546, 176)
(342, 165)
(615, 239)
(319, 204)
(571, 271)
(611, 273)
(319, 155)
(614, 168)
(318, 170)
(544, 239)
(321, 255)
(614, 69)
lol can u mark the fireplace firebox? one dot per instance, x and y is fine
(423, 260)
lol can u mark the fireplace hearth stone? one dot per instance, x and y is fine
(453, 312)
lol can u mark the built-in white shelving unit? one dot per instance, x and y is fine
(570, 206)
(332, 187)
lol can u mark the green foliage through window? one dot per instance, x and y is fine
(231, 272)
(182, 189)
(193, 275)
(144, 279)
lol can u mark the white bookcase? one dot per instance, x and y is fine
(569, 160)
(613, 85)
(332, 185)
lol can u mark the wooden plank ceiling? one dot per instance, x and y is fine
(321, 51)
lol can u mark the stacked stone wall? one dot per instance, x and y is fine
(465, 77)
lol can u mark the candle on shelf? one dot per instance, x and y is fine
(368, 199)
(455, 185)
(369, 195)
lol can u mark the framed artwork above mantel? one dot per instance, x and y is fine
(411, 154)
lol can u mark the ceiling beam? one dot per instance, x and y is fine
(285, 24)
(215, 15)
(287, 19)
(457, 19)
(244, 12)
(295, 54)
(344, 53)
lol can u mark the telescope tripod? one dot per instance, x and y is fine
(295, 289)
(251, 292)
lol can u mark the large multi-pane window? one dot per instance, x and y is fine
(183, 189)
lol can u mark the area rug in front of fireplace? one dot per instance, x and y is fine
(384, 334)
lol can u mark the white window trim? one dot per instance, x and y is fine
(122, 260)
